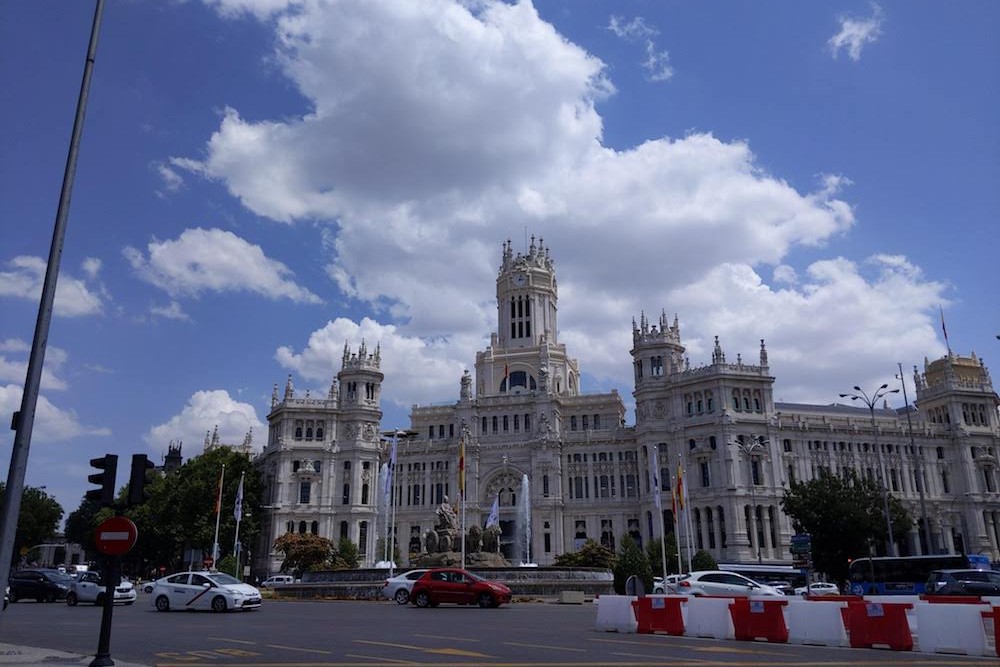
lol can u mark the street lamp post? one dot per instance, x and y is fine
(870, 401)
(397, 435)
(920, 469)
(749, 446)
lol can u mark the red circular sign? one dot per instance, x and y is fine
(116, 536)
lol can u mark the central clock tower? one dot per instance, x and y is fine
(524, 355)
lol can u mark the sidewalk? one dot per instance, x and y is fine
(27, 655)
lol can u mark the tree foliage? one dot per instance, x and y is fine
(37, 519)
(654, 552)
(350, 555)
(844, 515)
(304, 552)
(591, 554)
(703, 560)
(631, 561)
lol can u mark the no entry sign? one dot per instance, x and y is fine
(116, 536)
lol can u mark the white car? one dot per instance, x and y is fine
(717, 582)
(818, 588)
(668, 585)
(277, 580)
(87, 586)
(204, 590)
(398, 588)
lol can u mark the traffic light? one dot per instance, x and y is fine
(105, 479)
(138, 479)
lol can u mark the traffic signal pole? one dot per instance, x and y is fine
(24, 419)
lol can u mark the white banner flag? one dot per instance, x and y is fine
(494, 518)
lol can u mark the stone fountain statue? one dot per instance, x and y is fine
(443, 544)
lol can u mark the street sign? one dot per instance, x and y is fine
(116, 536)
(801, 543)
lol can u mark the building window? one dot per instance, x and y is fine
(527, 423)
(705, 479)
(304, 492)
(495, 423)
(347, 494)
(343, 529)
(545, 486)
(363, 536)
(572, 422)
(302, 527)
(364, 494)
(314, 528)
(319, 432)
(547, 538)
(506, 425)
(483, 429)
(517, 423)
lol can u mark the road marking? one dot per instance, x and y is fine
(677, 661)
(424, 649)
(296, 648)
(369, 657)
(547, 646)
(234, 641)
(454, 639)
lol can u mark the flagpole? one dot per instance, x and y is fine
(218, 515)
(461, 484)
(239, 517)
(677, 531)
(392, 502)
(690, 531)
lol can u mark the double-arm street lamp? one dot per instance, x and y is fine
(750, 446)
(870, 401)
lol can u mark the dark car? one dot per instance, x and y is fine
(963, 582)
(39, 584)
(458, 587)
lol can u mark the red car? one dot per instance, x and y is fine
(445, 584)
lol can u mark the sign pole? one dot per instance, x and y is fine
(110, 571)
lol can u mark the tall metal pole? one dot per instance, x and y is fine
(24, 419)
(392, 521)
(920, 468)
(870, 402)
(755, 444)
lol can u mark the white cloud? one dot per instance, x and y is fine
(203, 412)
(73, 297)
(855, 32)
(16, 370)
(433, 133)
(91, 267)
(214, 260)
(657, 61)
(172, 311)
(172, 181)
(51, 424)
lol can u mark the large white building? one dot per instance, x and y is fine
(523, 415)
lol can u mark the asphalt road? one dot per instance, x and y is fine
(348, 634)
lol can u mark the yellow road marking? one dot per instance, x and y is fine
(296, 648)
(234, 641)
(424, 649)
(547, 646)
(454, 639)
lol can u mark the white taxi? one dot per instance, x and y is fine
(88, 586)
(203, 590)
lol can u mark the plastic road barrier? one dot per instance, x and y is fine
(759, 618)
(871, 624)
(659, 613)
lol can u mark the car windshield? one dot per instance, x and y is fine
(223, 579)
(59, 577)
(977, 575)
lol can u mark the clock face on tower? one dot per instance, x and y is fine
(520, 279)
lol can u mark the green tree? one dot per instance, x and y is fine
(80, 524)
(591, 554)
(702, 560)
(654, 550)
(844, 515)
(37, 520)
(305, 552)
(349, 553)
(631, 561)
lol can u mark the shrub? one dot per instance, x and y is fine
(632, 561)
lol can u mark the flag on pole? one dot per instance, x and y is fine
(461, 466)
(218, 495)
(494, 518)
(238, 509)
(654, 473)
(944, 330)
(680, 487)
(392, 470)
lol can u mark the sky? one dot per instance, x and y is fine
(263, 181)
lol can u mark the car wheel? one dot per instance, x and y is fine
(13, 597)
(219, 604)
(486, 600)
(71, 599)
(99, 602)
(422, 600)
(402, 596)
(162, 603)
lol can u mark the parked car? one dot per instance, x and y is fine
(44, 585)
(88, 586)
(204, 590)
(277, 580)
(666, 585)
(717, 582)
(398, 588)
(818, 588)
(458, 586)
(783, 586)
(963, 582)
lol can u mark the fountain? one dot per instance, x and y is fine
(522, 530)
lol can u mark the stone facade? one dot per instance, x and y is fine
(523, 415)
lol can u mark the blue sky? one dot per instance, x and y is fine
(261, 182)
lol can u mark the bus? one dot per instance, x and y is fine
(906, 575)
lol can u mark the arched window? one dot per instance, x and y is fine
(319, 433)
(314, 528)
(343, 529)
(302, 527)
(309, 433)
(298, 432)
